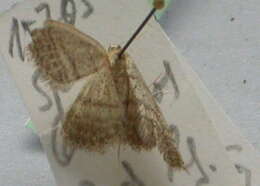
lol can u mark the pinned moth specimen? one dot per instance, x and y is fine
(115, 107)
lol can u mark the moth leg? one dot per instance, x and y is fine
(156, 81)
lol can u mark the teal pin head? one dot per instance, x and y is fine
(161, 6)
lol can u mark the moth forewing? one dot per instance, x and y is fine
(115, 107)
(151, 125)
(95, 120)
(64, 54)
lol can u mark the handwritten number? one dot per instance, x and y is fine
(135, 181)
(241, 169)
(44, 6)
(35, 79)
(213, 168)
(194, 160)
(26, 25)
(67, 152)
(86, 183)
(235, 147)
(170, 75)
(160, 84)
(192, 148)
(15, 34)
(90, 9)
(158, 87)
(68, 17)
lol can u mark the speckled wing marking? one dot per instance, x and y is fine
(64, 54)
(95, 120)
(145, 116)
(114, 107)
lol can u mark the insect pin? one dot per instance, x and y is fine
(115, 106)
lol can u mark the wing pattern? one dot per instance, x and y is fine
(148, 127)
(114, 107)
(95, 119)
(64, 54)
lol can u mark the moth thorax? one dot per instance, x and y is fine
(113, 52)
(118, 65)
(119, 72)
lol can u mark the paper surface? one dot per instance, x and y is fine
(242, 153)
(154, 55)
(246, 159)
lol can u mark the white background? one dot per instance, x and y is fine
(223, 52)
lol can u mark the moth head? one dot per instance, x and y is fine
(114, 48)
(113, 52)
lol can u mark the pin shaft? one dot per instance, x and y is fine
(137, 32)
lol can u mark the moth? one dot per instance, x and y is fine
(115, 107)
